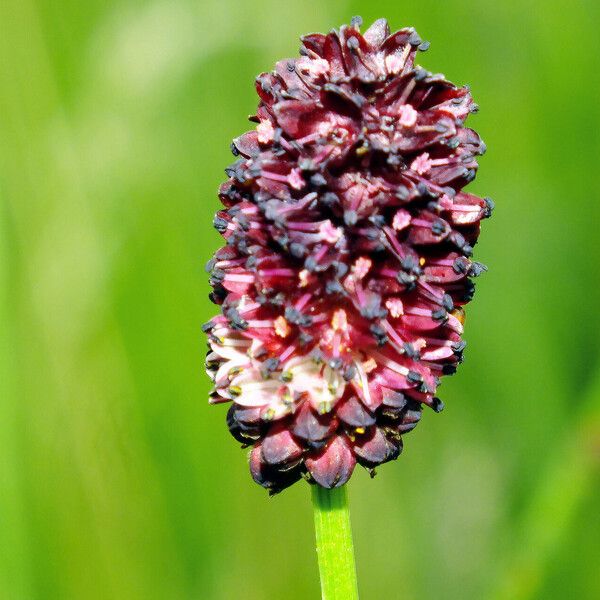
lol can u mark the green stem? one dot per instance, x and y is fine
(335, 550)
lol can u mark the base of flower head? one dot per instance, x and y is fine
(328, 465)
(303, 438)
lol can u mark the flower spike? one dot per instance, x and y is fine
(348, 256)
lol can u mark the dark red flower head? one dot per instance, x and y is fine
(348, 256)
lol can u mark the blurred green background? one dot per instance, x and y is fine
(117, 481)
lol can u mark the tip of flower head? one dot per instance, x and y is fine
(347, 256)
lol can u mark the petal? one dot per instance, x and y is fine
(272, 478)
(247, 144)
(311, 426)
(353, 412)
(375, 449)
(377, 33)
(332, 466)
(280, 447)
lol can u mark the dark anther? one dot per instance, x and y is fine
(422, 189)
(356, 21)
(402, 193)
(220, 224)
(242, 245)
(334, 287)
(310, 264)
(218, 294)
(447, 302)
(210, 265)
(437, 405)
(297, 250)
(449, 191)
(372, 309)
(407, 280)
(305, 338)
(268, 366)
(379, 334)
(468, 292)
(305, 321)
(217, 275)
(411, 351)
(459, 240)
(458, 347)
(291, 67)
(349, 373)
(439, 315)
(477, 269)
(292, 315)
(341, 268)
(307, 164)
(209, 326)
(317, 355)
(469, 175)
(329, 199)
(278, 299)
(234, 149)
(415, 39)
(377, 220)
(336, 363)
(414, 377)
(449, 369)
(350, 218)
(372, 234)
(410, 264)
(352, 43)
(282, 240)
(251, 263)
(318, 180)
(424, 46)
(253, 171)
(461, 265)
(420, 74)
(235, 319)
(489, 207)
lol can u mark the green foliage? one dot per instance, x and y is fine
(116, 479)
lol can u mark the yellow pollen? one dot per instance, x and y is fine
(233, 372)
(421, 261)
(360, 430)
(361, 150)
(282, 328)
(459, 313)
(369, 365)
(303, 277)
(339, 321)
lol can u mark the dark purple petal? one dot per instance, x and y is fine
(332, 466)
(375, 448)
(280, 447)
(313, 427)
(353, 412)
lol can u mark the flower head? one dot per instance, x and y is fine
(347, 257)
